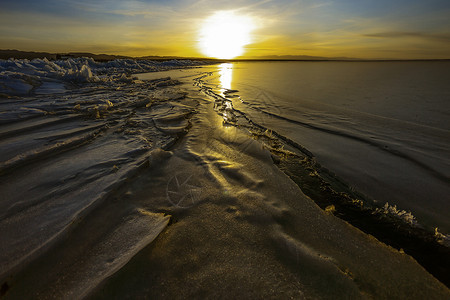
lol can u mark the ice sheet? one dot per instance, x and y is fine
(90, 177)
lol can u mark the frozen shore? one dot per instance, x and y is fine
(118, 186)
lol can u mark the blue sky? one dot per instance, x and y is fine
(363, 29)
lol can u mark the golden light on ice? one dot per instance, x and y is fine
(226, 75)
(224, 34)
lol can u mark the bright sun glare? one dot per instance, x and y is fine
(224, 34)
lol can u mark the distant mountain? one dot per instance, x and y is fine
(323, 58)
(6, 54)
(98, 57)
(295, 57)
(155, 57)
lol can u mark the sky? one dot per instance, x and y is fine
(368, 29)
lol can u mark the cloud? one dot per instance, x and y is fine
(322, 4)
(410, 34)
(297, 27)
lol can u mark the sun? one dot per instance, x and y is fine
(224, 34)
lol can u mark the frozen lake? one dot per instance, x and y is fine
(381, 126)
(203, 181)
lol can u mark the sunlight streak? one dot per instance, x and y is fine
(226, 75)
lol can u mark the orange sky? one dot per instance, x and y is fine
(361, 29)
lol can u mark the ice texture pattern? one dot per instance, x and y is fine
(23, 76)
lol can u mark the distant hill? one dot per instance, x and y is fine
(98, 57)
(6, 54)
(295, 57)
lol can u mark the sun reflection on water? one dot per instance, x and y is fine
(226, 76)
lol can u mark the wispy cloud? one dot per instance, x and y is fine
(322, 4)
(410, 34)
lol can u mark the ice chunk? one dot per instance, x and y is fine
(19, 76)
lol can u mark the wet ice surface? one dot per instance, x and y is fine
(243, 229)
(382, 127)
(90, 177)
(62, 154)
